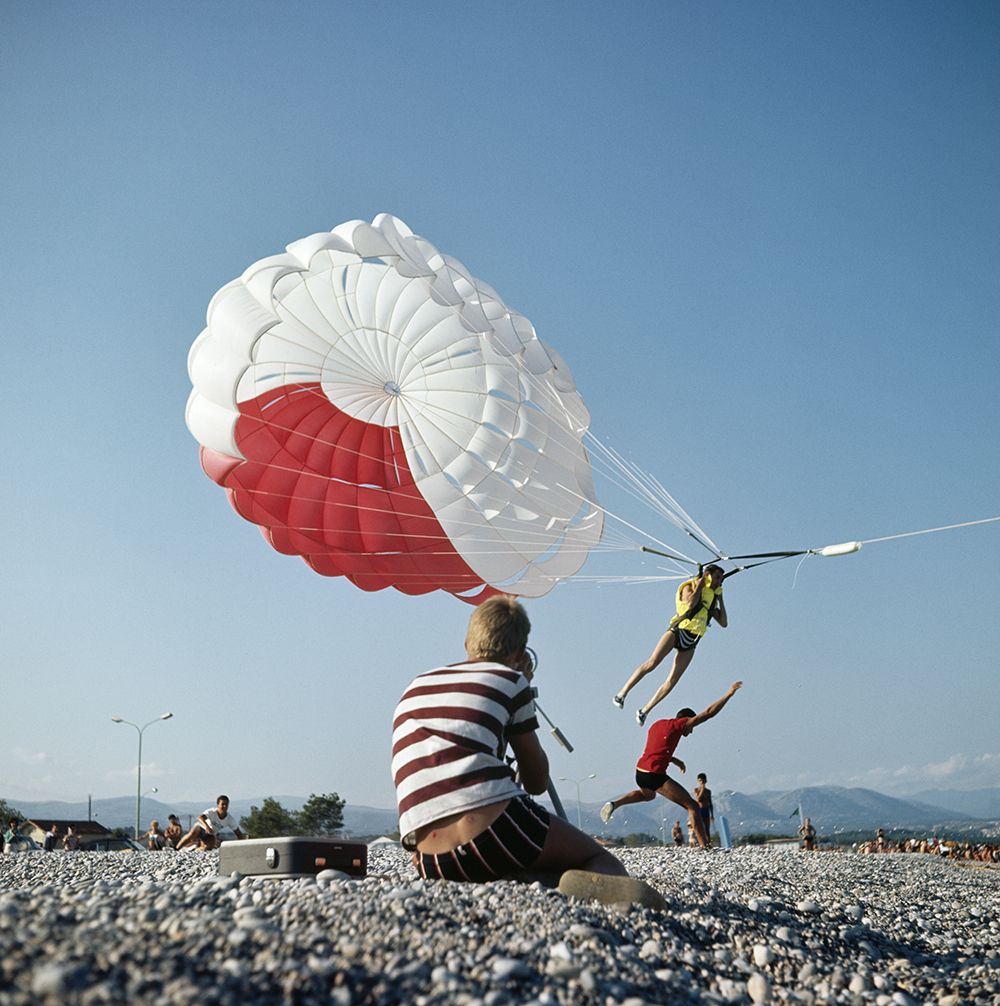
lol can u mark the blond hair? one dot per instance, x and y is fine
(498, 628)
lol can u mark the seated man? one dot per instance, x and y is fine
(173, 833)
(462, 812)
(155, 839)
(213, 827)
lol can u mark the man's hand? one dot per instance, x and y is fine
(679, 764)
(735, 687)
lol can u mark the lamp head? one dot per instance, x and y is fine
(117, 719)
(166, 716)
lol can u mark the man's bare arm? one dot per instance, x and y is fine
(532, 762)
(716, 707)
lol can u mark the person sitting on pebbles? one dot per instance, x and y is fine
(463, 813)
(651, 769)
(213, 827)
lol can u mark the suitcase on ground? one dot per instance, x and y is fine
(292, 856)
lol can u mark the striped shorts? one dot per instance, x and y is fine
(510, 844)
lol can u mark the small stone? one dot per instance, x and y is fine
(762, 955)
(326, 877)
(858, 984)
(507, 968)
(651, 950)
(49, 980)
(808, 906)
(759, 988)
(902, 999)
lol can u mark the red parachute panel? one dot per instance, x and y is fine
(339, 493)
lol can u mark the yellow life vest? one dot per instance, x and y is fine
(698, 622)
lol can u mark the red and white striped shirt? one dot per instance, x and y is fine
(449, 734)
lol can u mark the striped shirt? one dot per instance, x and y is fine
(449, 734)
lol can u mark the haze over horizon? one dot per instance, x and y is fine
(765, 241)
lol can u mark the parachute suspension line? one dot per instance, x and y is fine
(632, 476)
(931, 530)
(645, 488)
(656, 496)
(798, 566)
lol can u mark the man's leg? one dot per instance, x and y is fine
(566, 848)
(662, 648)
(676, 793)
(633, 796)
(192, 836)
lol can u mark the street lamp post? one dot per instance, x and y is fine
(138, 781)
(578, 783)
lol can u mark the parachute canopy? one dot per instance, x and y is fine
(381, 413)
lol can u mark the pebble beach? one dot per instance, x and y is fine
(747, 926)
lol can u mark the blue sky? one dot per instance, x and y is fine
(765, 238)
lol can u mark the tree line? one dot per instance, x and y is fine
(321, 814)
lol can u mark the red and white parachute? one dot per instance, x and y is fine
(381, 413)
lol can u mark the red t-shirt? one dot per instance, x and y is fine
(661, 742)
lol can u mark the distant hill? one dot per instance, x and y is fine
(840, 807)
(832, 808)
(983, 803)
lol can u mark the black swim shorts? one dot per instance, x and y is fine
(649, 780)
(510, 844)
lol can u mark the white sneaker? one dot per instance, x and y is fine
(607, 810)
(640, 717)
(618, 702)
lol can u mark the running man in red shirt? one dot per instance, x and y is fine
(651, 769)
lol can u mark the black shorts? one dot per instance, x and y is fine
(510, 844)
(684, 640)
(649, 780)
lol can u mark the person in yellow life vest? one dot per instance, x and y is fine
(698, 602)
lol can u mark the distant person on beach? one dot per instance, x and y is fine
(808, 833)
(703, 797)
(651, 769)
(213, 826)
(677, 834)
(51, 837)
(155, 839)
(71, 841)
(173, 833)
(698, 602)
(462, 811)
(12, 839)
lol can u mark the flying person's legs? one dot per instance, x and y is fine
(663, 647)
(681, 660)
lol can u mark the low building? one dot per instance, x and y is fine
(91, 835)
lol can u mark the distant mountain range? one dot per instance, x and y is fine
(832, 809)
